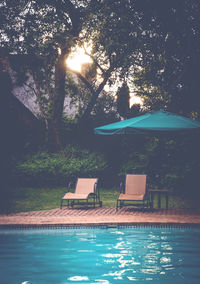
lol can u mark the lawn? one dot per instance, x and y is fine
(34, 199)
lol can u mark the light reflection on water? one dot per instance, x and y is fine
(100, 256)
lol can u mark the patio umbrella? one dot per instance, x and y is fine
(150, 123)
(157, 124)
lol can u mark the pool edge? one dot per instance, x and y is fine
(102, 225)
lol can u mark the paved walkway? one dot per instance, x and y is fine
(100, 216)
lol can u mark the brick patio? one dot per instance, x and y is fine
(100, 216)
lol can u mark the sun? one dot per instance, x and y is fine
(135, 100)
(77, 58)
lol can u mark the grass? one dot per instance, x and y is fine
(34, 199)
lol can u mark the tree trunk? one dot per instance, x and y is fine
(55, 142)
(55, 123)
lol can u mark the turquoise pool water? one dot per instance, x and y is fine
(96, 255)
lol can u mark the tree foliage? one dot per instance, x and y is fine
(123, 98)
(45, 31)
(171, 55)
(151, 43)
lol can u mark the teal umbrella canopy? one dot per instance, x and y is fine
(150, 123)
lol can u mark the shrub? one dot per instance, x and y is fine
(50, 169)
(137, 164)
(163, 173)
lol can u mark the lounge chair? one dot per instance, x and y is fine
(86, 190)
(134, 190)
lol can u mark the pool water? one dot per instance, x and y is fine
(96, 255)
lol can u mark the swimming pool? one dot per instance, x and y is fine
(97, 255)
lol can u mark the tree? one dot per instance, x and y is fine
(123, 98)
(46, 31)
(170, 74)
(114, 31)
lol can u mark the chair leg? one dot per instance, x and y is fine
(98, 200)
(94, 201)
(118, 204)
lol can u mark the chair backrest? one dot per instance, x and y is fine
(135, 184)
(85, 185)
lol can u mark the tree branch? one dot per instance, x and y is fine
(95, 61)
(73, 13)
(85, 81)
(95, 93)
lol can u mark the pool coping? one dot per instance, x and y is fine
(106, 216)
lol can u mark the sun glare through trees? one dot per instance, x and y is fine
(80, 56)
(77, 58)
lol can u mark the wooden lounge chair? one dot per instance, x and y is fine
(134, 190)
(86, 190)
